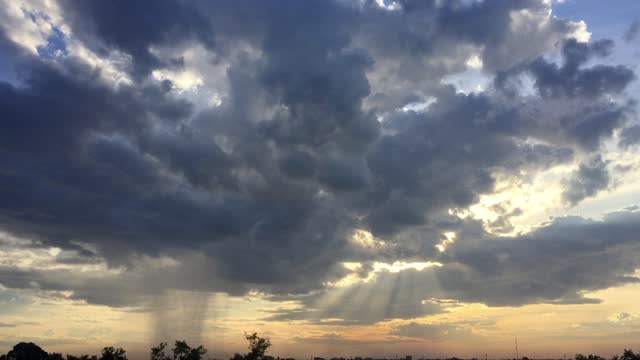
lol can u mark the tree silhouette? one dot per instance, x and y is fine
(82, 357)
(257, 348)
(181, 351)
(111, 353)
(628, 354)
(157, 353)
(589, 357)
(27, 351)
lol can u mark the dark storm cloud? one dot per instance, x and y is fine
(77, 176)
(134, 28)
(309, 143)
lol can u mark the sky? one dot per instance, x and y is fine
(347, 177)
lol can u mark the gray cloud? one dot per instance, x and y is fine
(632, 32)
(630, 136)
(551, 264)
(554, 264)
(18, 323)
(422, 42)
(590, 178)
(135, 28)
(433, 332)
(572, 79)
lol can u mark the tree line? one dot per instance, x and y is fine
(258, 347)
(181, 351)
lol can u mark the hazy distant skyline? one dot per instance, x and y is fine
(347, 177)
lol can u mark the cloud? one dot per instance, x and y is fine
(572, 79)
(587, 181)
(433, 332)
(420, 43)
(135, 28)
(554, 264)
(630, 136)
(632, 32)
(388, 296)
(16, 324)
(13, 301)
(307, 143)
